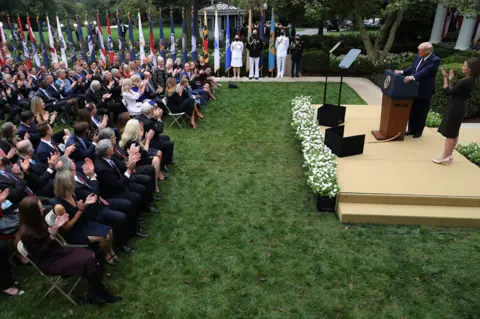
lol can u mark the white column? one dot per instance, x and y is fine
(437, 28)
(466, 33)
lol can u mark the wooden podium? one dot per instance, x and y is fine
(396, 105)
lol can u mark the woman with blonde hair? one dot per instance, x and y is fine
(179, 101)
(132, 135)
(127, 71)
(130, 98)
(40, 114)
(78, 230)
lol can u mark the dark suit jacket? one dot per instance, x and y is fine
(32, 131)
(81, 152)
(425, 74)
(14, 94)
(55, 93)
(159, 78)
(93, 97)
(16, 188)
(38, 178)
(43, 96)
(112, 183)
(151, 124)
(82, 191)
(43, 151)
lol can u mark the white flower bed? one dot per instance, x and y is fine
(320, 162)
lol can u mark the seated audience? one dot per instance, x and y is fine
(179, 101)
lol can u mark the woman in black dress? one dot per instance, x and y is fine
(459, 95)
(53, 259)
(179, 101)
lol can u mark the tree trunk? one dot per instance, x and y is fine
(383, 32)
(391, 36)
(367, 42)
(320, 27)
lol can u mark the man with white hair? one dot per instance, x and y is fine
(160, 75)
(423, 70)
(102, 101)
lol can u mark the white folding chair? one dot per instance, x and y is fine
(50, 220)
(177, 117)
(55, 282)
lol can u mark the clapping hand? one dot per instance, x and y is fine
(4, 195)
(53, 159)
(53, 117)
(11, 153)
(80, 205)
(104, 122)
(26, 136)
(444, 73)
(451, 75)
(150, 135)
(69, 150)
(45, 116)
(25, 164)
(88, 168)
(91, 199)
(133, 149)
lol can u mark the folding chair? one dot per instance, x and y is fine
(9, 238)
(50, 219)
(175, 116)
(55, 282)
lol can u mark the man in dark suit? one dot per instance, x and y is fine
(424, 71)
(151, 117)
(83, 147)
(27, 125)
(38, 176)
(16, 95)
(47, 146)
(114, 177)
(12, 178)
(102, 101)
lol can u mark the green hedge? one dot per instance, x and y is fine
(470, 151)
(314, 62)
(440, 100)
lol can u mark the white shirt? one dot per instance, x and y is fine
(281, 44)
(130, 102)
(237, 49)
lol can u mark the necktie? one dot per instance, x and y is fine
(115, 166)
(53, 85)
(8, 175)
(83, 143)
(46, 94)
(420, 63)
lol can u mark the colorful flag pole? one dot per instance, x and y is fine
(152, 40)
(91, 45)
(80, 38)
(173, 54)
(271, 47)
(262, 37)
(71, 44)
(121, 42)
(163, 54)
(26, 54)
(51, 43)
(111, 54)
(12, 35)
(228, 50)
(184, 38)
(63, 45)
(31, 35)
(216, 46)
(43, 46)
(5, 51)
(103, 52)
(249, 36)
(133, 56)
(205, 37)
(141, 39)
(194, 38)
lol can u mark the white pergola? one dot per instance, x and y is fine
(468, 31)
(236, 15)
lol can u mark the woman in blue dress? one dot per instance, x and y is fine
(79, 230)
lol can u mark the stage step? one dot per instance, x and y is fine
(406, 199)
(445, 216)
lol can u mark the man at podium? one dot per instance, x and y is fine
(423, 70)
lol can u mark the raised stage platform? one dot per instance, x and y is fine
(397, 182)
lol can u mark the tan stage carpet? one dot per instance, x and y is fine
(397, 182)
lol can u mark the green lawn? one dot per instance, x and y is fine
(146, 34)
(238, 236)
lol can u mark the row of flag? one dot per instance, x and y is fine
(50, 51)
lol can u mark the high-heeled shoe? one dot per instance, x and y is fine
(444, 161)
